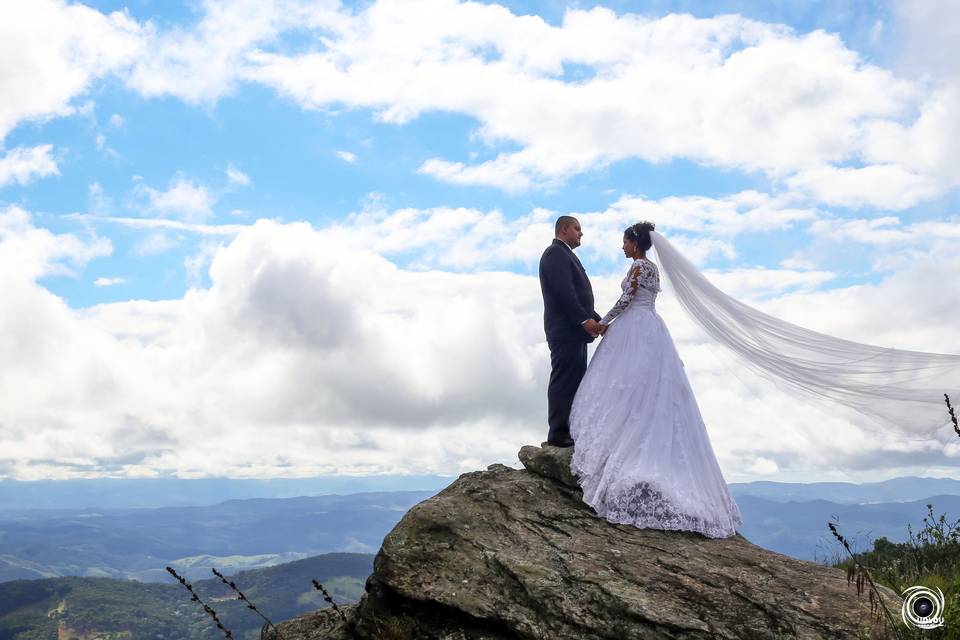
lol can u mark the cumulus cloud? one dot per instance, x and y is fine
(29, 252)
(202, 63)
(21, 165)
(295, 341)
(52, 51)
(929, 30)
(346, 156)
(307, 356)
(108, 282)
(723, 91)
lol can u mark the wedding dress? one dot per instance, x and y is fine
(642, 452)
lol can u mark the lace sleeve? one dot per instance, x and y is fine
(633, 281)
(649, 276)
(642, 274)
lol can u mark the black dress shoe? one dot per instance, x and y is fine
(562, 442)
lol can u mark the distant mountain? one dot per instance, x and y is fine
(799, 529)
(233, 535)
(903, 489)
(176, 492)
(238, 535)
(101, 607)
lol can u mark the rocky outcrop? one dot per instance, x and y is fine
(509, 554)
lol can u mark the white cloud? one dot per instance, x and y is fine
(107, 282)
(365, 367)
(723, 91)
(21, 165)
(99, 202)
(116, 121)
(887, 231)
(880, 186)
(346, 156)
(156, 244)
(237, 177)
(51, 51)
(203, 63)
(470, 238)
(163, 223)
(764, 466)
(197, 265)
(758, 283)
(183, 199)
(28, 252)
(930, 29)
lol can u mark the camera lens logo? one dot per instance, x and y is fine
(922, 608)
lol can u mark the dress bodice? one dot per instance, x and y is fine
(645, 298)
(640, 287)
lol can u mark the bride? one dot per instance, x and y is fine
(642, 452)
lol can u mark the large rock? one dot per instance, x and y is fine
(507, 553)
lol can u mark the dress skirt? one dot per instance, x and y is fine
(642, 452)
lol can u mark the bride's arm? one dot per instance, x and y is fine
(642, 274)
(632, 283)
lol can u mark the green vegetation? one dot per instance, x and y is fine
(929, 558)
(122, 610)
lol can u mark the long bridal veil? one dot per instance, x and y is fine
(903, 389)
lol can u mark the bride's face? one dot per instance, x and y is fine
(629, 247)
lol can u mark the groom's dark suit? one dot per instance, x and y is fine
(567, 304)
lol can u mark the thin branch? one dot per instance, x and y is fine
(250, 605)
(326, 596)
(953, 416)
(206, 607)
(863, 571)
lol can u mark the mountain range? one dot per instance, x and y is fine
(235, 535)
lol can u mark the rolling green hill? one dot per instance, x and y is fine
(108, 609)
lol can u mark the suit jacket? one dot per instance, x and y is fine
(567, 295)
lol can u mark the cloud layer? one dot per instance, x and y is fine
(307, 355)
(550, 101)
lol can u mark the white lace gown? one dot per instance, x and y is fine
(642, 452)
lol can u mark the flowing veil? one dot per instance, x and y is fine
(903, 389)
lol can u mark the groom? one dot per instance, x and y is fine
(569, 322)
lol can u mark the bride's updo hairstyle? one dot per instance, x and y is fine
(640, 233)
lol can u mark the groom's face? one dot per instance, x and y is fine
(572, 234)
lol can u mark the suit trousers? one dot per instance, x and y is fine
(568, 363)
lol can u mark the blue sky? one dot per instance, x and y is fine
(798, 151)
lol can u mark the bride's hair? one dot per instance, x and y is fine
(640, 233)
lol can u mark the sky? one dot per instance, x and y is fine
(288, 238)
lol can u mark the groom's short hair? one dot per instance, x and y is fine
(562, 223)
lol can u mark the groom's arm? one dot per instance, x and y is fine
(556, 269)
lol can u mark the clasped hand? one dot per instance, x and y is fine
(594, 328)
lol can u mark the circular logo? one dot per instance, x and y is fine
(922, 608)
